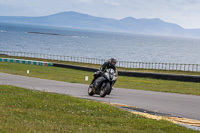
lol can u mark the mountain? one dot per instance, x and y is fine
(84, 21)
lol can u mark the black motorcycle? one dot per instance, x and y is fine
(103, 85)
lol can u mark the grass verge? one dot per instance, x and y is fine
(98, 66)
(77, 76)
(23, 110)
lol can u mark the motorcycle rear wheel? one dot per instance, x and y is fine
(90, 91)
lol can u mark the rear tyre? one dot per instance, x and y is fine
(104, 89)
(90, 91)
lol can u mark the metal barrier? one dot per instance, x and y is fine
(124, 64)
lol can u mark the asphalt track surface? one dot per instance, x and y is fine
(178, 105)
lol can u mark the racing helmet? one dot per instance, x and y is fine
(113, 61)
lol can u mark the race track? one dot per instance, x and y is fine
(186, 106)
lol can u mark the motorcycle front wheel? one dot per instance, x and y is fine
(104, 89)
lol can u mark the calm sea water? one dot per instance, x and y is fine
(83, 43)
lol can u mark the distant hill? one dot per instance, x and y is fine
(84, 21)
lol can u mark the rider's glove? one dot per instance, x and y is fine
(100, 72)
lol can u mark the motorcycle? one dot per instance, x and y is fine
(103, 85)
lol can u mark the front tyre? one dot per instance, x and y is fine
(90, 91)
(104, 89)
(109, 90)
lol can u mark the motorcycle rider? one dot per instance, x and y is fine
(106, 65)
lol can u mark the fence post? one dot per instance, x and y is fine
(184, 67)
(169, 66)
(67, 58)
(146, 65)
(192, 67)
(188, 67)
(176, 66)
(143, 65)
(149, 65)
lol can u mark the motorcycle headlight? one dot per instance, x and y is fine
(107, 75)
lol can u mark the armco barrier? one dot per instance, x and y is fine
(25, 61)
(75, 67)
(187, 78)
(177, 77)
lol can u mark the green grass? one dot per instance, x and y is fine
(98, 66)
(23, 110)
(77, 76)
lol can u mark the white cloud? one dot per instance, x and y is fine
(111, 2)
(85, 1)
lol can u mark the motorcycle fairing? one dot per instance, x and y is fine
(97, 84)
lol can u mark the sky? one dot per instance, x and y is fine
(185, 13)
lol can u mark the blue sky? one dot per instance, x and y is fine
(185, 13)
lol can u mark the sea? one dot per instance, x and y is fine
(98, 44)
